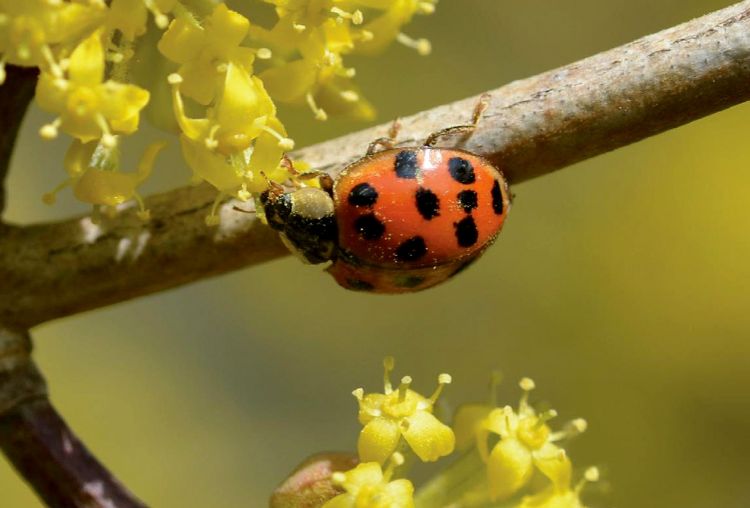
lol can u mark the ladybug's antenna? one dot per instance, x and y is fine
(273, 187)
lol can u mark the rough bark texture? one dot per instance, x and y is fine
(532, 127)
(39, 444)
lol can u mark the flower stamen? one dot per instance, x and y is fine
(389, 363)
(397, 459)
(403, 388)
(318, 112)
(285, 143)
(422, 46)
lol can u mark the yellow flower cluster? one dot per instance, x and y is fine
(223, 107)
(510, 457)
(526, 445)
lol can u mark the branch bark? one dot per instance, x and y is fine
(532, 127)
(18, 90)
(40, 445)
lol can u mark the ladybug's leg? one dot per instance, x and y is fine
(468, 129)
(387, 142)
(325, 180)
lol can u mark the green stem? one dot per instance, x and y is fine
(451, 485)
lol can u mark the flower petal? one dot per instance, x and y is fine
(345, 500)
(378, 440)
(466, 423)
(78, 158)
(509, 468)
(429, 437)
(109, 188)
(552, 461)
(210, 166)
(368, 473)
(290, 82)
(182, 41)
(87, 61)
(244, 100)
(226, 27)
(399, 494)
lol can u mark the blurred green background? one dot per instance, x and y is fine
(620, 285)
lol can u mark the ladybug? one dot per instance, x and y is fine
(400, 219)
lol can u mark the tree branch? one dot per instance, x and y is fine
(18, 90)
(40, 445)
(532, 127)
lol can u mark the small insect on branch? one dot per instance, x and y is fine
(531, 127)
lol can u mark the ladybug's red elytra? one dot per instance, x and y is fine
(400, 219)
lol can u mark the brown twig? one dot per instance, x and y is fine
(532, 127)
(40, 445)
(17, 92)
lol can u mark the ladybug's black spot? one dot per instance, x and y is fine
(409, 281)
(497, 198)
(461, 170)
(411, 249)
(369, 227)
(406, 164)
(359, 285)
(428, 203)
(466, 232)
(363, 194)
(467, 199)
(463, 266)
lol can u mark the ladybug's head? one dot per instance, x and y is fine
(306, 219)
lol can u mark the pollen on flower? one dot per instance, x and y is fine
(264, 53)
(579, 424)
(591, 474)
(356, 17)
(50, 130)
(174, 79)
(527, 384)
(109, 141)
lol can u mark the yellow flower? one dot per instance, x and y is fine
(95, 180)
(560, 496)
(319, 77)
(89, 107)
(367, 486)
(387, 27)
(203, 52)
(402, 412)
(239, 144)
(28, 29)
(130, 16)
(468, 419)
(526, 442)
